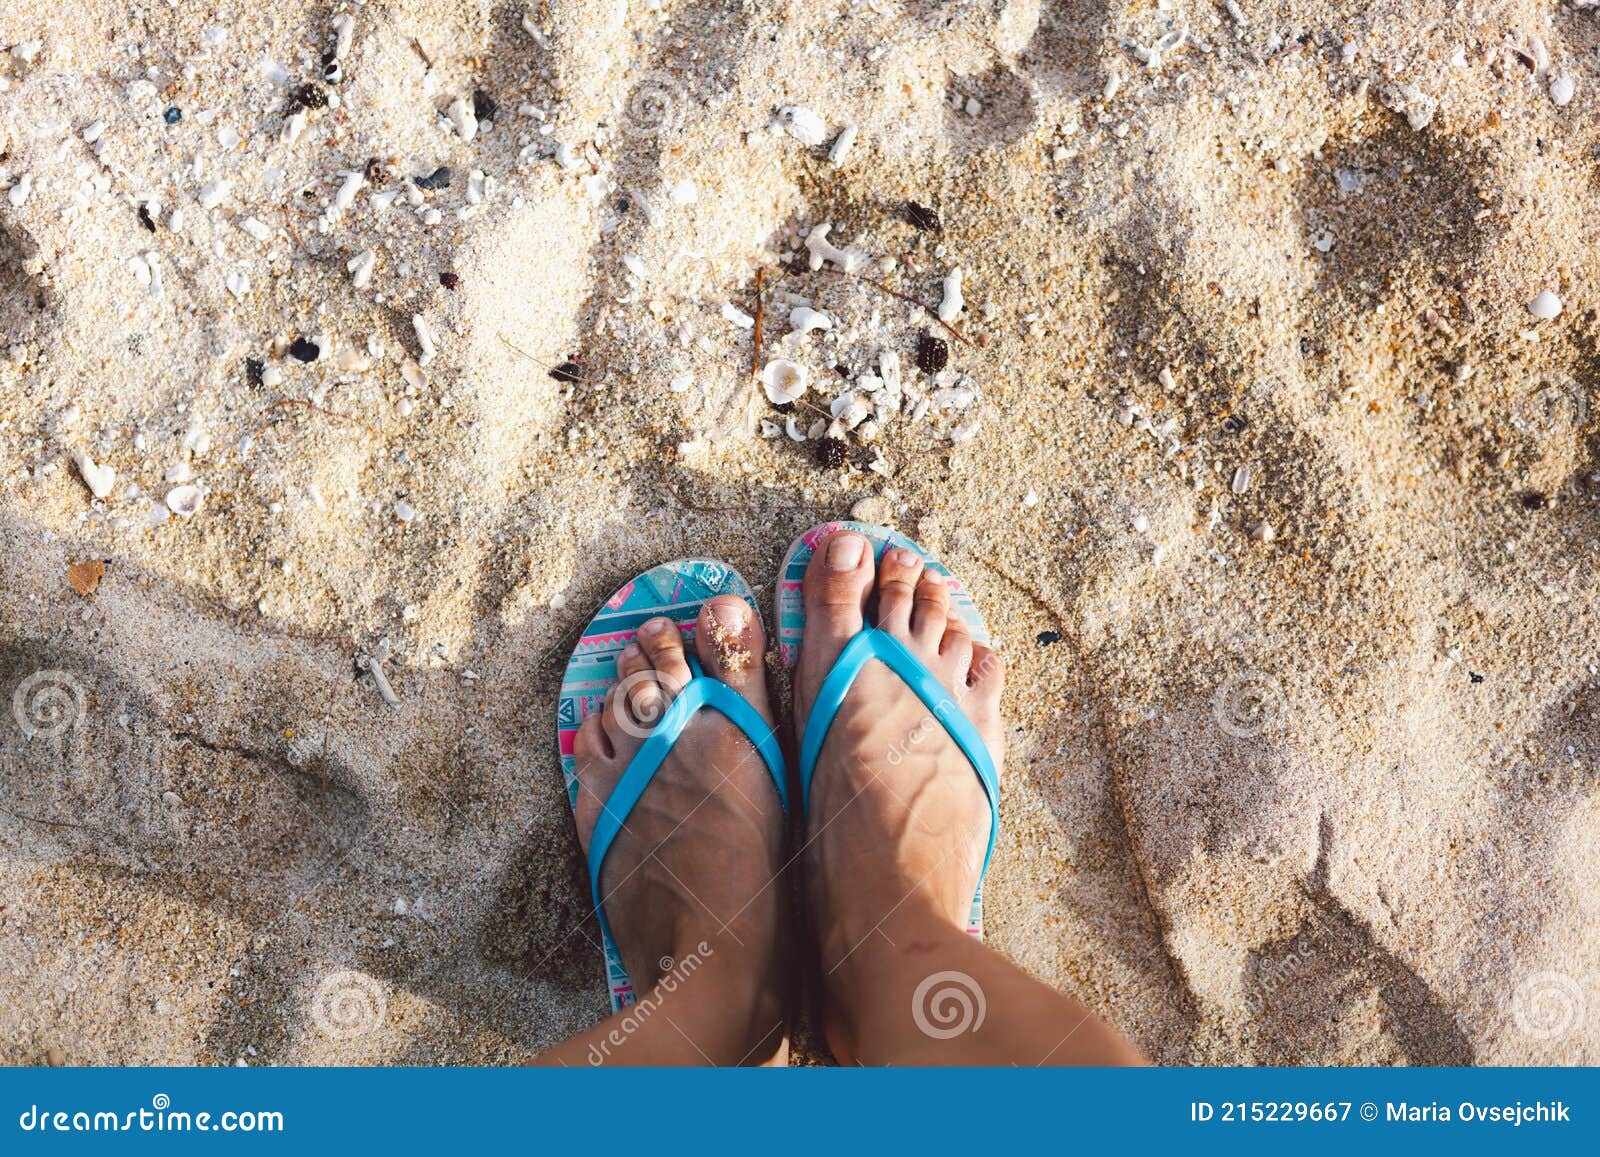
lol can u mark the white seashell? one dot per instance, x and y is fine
(737, 316)
(99, 479)
(841, 145)
(635, 265)
(785, 381)
(683, 193)
(404, 511)
(1546, 306)
(792, 428)
(185, 500)
(255, 228)
(802, 124)
(360, 267)
(1562, 90)
(354, 361)
(950, 307)
(804, 320)
(382, 201)
(238, 283)
(424, 339)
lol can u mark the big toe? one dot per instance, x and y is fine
(837, 583)
(731, 644)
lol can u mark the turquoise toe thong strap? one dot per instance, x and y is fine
(870, 644)
(701, 692)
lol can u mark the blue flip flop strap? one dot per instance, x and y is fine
(870, 644)
(700, 692)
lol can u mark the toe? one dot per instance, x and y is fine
(837, 582)
(986, 679)
(898, 572)
(955, 651)
(645, 697)
(730, 643)
(597, 774)
(930, 610)
(662, 643)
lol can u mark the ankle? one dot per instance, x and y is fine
(737, 986)
(855, 965)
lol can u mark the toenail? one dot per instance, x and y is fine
(653, 627)
(905, 557)
(631, 651)
(844, 552)
(732, 615)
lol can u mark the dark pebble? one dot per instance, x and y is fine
(933, 354)
(483, 106)
(440, 178)
(309, 96)
(1047, 638)
(145, 219)
(450, 279)
(1233, 424)
(173, 115)
(567, 372)
(1475, 677)
(1533, 500)
(254, 368)
(304, 350)
(923, 218)
(832, 452)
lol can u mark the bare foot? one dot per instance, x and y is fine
(897, 820)
(693, 872)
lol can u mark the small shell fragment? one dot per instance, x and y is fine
(185, 500)
(841, 145)
(950, 307)
(425, 339)
(784, 381)
(99, 479)
(802, 124)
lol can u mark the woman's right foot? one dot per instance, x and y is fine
(898, 819)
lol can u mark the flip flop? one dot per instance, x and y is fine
(870, 644)
(675, 590)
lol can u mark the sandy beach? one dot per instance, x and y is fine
(1241, 358)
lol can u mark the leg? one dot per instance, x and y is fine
(691, 883)
(897, 830)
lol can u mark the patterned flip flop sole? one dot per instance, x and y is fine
(792, 612)
(675, 590)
